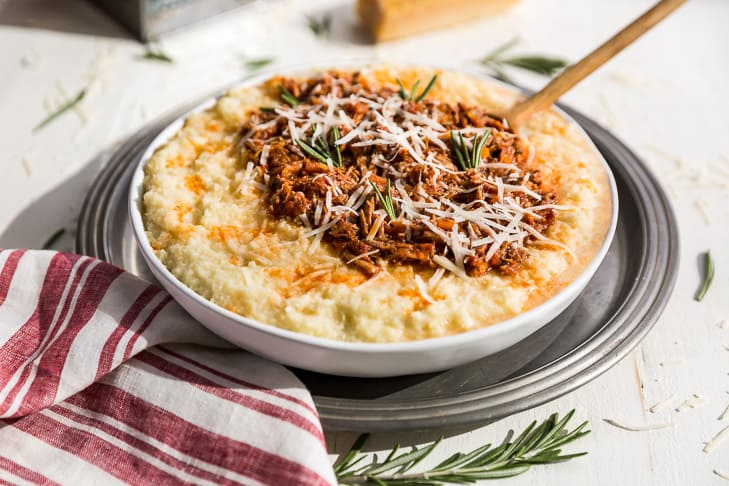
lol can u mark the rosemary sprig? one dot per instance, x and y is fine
(53, 239)
(537, 444)
(153, 52)
(469, 159)
(320, 27)
(319, 149)
(313, 151)
(430, 85)
(61, 110)
(385, 200)
(545, 65)
(411, 96)
(256, 64)
(287, 96)
(708, 276)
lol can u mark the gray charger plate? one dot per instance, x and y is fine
(617, 309)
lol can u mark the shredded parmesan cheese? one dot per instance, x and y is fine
(423, 291)
(693, 401)
(662, 404)
(363, 255)
(724, 414)
(721, 474)
(26, 166)
(717, 440)
(389, 122)
(636, 428)
(702, 205)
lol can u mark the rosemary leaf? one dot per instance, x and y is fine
(414, 89)
(353, 451)
(469, 160)
(403, 94)
(311, 150)
(458, 149)
(535, 445)
(708, 276)
(153, 52)
(256, 64)
(287, 96)
(427, 89)
(53, 239)
(538, 64)
(320, 27)
(335, 138)
(385, 200)
(61, 110)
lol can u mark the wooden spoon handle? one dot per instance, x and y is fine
(575, 73)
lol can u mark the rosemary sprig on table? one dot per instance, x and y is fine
(53, 239)
(287, 96)
(539, 64)
(319, 149)
(708, 276)
(469, 159)
(256, 64)
(153, 52)
(61, 110)
(411, 96)
(537, 444)
(320, 27)
(385, 200)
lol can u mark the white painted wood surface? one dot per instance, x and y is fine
(667, 97)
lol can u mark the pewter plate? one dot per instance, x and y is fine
(617, 309)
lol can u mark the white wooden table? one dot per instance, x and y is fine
(667, 97)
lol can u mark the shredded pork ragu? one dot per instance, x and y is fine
(465, 221)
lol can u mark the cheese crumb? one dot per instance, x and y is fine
(636, 428)
(717, 440)
(721, 474)
(704, 210)
(693, 401)
(26, 166)
(725, 414)
(662, 404)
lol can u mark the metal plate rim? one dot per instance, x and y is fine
(596, 355)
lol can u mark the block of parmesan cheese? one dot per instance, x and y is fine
(390, 19)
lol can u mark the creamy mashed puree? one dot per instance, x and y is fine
(206, 217)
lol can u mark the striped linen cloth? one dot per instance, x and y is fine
(104, 379)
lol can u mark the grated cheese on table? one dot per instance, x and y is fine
(693, 401)
(663, 404)
(718, 439)
(636, 428)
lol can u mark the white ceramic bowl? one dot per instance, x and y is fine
(347, 358)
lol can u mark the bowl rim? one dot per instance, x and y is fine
(567, 293)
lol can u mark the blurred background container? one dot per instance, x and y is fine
(147, 19)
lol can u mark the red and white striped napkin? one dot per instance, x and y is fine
(97, 386)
